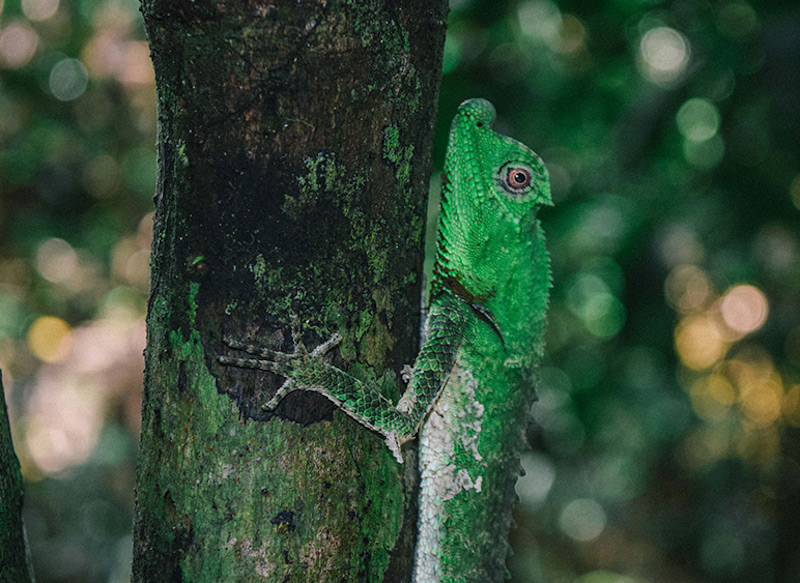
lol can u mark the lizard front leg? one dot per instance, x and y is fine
(398, 424)
(309, 372)
(278, 362)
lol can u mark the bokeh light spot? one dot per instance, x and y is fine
(48, 338)
(137, 69)
(680, 245)
(712, 397)
(101, 176)
(704, 155)
(776, 247)
(759, 387)
(744, 309)
(56, 260)
(699, 342)
(65, 418)
(39, 9)
(605, 316)
(601, 312)
(761, 401)
(688, 288)
(109, 55)
(664, 54)
(68, 79)
(706, 446)
(452, 52)
(573, 35)
(18, 43)
(698, 119)
(533, 487)
(130, 262)
(720, 390)
(541, 20)
(698, 122)
(737, 19)
(47, 446)
(582, 520)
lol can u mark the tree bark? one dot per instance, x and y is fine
(787, 553)
(294, 155)
(15, 563)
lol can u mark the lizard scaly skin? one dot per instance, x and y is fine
(472, 385)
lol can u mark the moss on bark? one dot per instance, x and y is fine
(294, 147)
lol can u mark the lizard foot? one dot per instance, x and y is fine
(281, 363)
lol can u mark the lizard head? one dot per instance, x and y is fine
(491, 187)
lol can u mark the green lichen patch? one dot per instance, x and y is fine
(392, 47)
(260, 270)
(399, 154)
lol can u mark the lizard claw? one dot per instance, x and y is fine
(406, 373)
(328, 345)
(393, 443)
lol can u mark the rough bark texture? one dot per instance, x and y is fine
(14, 557)
(293, 165)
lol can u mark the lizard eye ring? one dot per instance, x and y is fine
(515, 179)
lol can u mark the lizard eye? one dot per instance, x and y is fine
(515, 179)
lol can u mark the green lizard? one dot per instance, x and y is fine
(471, 387)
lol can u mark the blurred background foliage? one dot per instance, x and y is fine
(667, 433)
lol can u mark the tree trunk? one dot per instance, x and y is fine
(15, 562)
(787, 555)
(294, 148)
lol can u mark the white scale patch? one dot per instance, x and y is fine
(456, 417)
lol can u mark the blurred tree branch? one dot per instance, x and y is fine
(15, 562)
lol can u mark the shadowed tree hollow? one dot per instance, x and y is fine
(294, 156)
